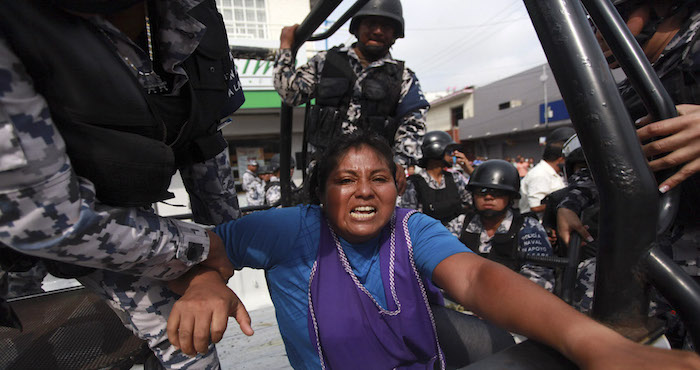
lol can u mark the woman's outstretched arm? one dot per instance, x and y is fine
(503, 297)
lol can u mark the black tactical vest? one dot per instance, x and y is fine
(114, 133)
(440, 204)
(381, 91)
(504, 247)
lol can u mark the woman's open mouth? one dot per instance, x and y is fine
(363, 212)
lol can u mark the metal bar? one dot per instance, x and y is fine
(339, 23)
(313, 20)
(626, 185)
(682, 291)
(568, 281)
(251, 52)
(286, 121)
(644, 81)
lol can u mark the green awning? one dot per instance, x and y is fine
(263, 99)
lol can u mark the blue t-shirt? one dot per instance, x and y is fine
(284, 242)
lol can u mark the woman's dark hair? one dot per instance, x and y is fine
(329, 159)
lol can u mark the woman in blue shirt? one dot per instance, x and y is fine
(352, 280)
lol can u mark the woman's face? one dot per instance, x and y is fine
(360, 195)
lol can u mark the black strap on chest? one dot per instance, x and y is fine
(442, 204)
(504, 247)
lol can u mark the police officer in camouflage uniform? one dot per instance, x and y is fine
(359, 87)
(273, 189)
(500, 233)
(100, 103)
(253, 185)
(439, 193)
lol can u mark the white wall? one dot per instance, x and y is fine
(440, 117)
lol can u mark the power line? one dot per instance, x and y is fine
(475, 39)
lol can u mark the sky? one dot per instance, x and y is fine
(452, 44)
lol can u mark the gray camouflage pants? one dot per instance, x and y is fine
(143, 305)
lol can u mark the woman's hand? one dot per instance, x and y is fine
(679, 143)
(200, 316)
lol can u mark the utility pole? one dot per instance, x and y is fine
(545, 110)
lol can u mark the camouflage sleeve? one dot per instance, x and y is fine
(411, 111)
(464, 193)
(582, 193)
(273, 194)
(409, 199)
(212, 190)
(532, 240)
(48, 211)
(296, 86)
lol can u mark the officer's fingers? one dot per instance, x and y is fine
(173, 325)
(684, 173)
(242, 317)
(676, 158)
(643, 121)
(185, 332)
(201, 332)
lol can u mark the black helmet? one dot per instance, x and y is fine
(560, 134)
(265, 169)
(275, 162)
(384, 8)
(573, 153)
(496, 174)
(434, 145)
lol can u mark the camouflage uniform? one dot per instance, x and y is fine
(273, 194)
(48, 211)
(409, 199)
(532, 240)
(297, 86)
(19, 284)
(254, 189)
(582, 192)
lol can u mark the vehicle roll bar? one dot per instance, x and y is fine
(313, 20)
(644, 81)
(628, 193)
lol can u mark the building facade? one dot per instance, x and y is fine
(254, 132)
(446, 110)
(509, 115)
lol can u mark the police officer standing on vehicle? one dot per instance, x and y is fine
(360, 86)
(436, 192)
(101, 102)
(500, 233)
